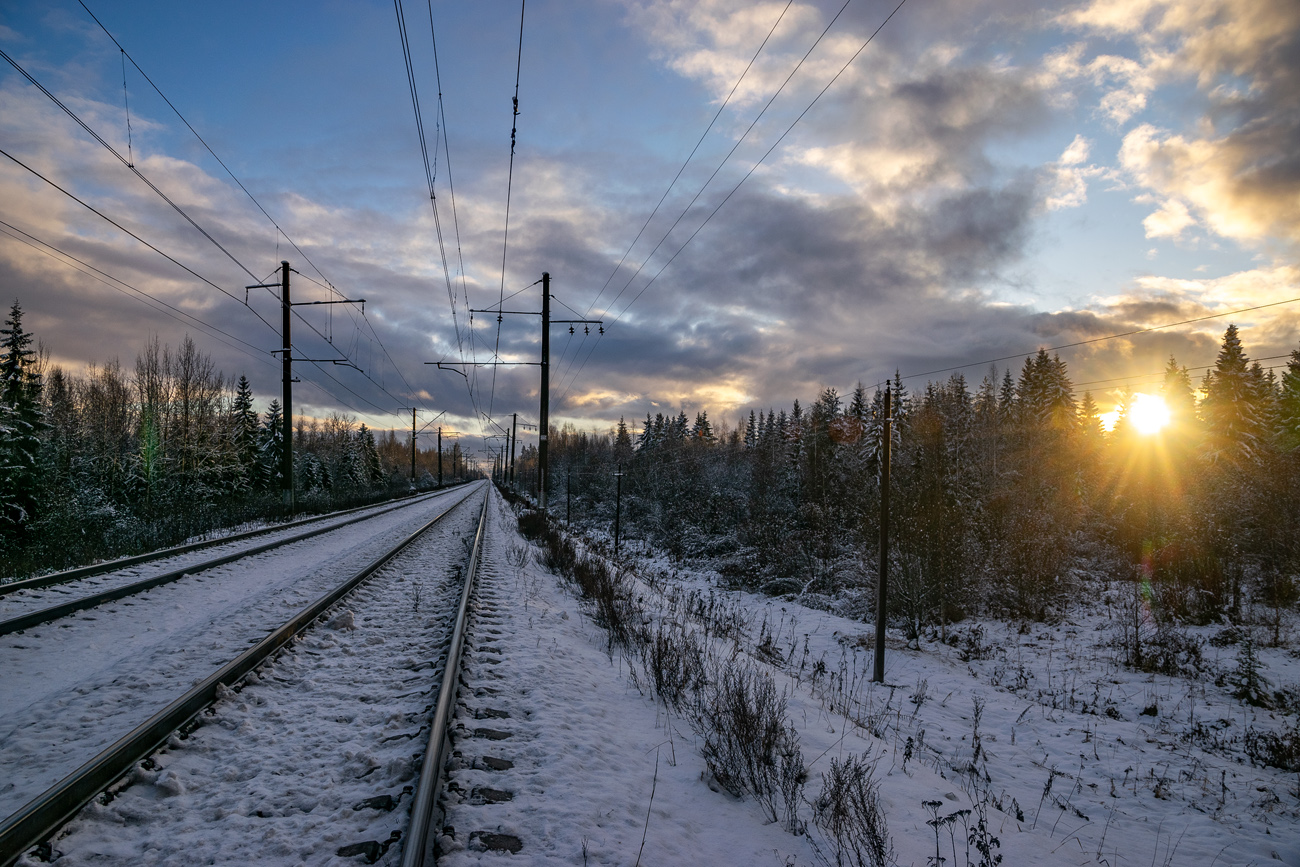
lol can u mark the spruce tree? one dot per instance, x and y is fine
(245, 423)
(1232, 411)
(1288, 409)
(21, 421)
(270, 447)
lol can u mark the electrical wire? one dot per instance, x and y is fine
(203, 142)
(510, 176)
(119, 226)
(326, 284)
(117, 284)
(746, 177)
(126, 162)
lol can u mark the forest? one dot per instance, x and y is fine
(115, 461)
(1002, 496)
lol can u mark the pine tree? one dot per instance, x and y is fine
(245, 423)
(622, 441)
(371, 469)
(270, 447)
(21, 421)
(702, 431)
(1289, 404)
(1232, 411)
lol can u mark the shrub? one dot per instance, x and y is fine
(747, 742)
(848, 810)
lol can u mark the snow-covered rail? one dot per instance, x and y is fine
(42, 815)
(31, 609)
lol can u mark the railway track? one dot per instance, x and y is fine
(28, 602)
(381, 591)
(69, 686)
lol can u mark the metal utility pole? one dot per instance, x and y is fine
(286, 375)
(544, 423)
(878, 672)
(412, 445)
(545, 364)
(440, 456)
(618, 505)
(568, 498)
(286, 372)
(514, 441)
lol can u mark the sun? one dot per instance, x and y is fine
(1148, 413)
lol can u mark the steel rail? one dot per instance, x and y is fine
(416, 850)
(45, 814)
(136, 559)
(63, 609)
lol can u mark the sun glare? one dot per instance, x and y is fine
(1149, 413)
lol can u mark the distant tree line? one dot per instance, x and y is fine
(112, 462)
(1000, 494)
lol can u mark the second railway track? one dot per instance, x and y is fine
(33, 601)
(69, 688)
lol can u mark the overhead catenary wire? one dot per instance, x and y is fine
(430, 167)
(510, 178)
(127, 55)
(126, 162)
(327, 284)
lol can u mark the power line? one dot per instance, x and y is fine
(691, 155)
(126, 54)
(747, 175)
(110, 281)
(327, 284)
(119, 226)
(128, 163)
(510, 176)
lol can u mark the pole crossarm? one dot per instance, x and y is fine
(341, 361)
(511, 312)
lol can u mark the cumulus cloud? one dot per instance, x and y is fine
(1236, 173)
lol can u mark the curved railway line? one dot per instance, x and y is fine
(400, 569)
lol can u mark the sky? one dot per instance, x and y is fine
(758, 201)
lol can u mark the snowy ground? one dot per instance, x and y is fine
(71, 687)
(1081, 761)
(562, 749)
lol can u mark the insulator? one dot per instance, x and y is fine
(602, 329)
(586, 329)
(570, 329)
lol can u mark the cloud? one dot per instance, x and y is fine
(1069, 176)
(1236, 172)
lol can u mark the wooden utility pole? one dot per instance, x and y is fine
(878, 672)
(618, 505)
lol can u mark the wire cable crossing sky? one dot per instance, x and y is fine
(835, 190)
